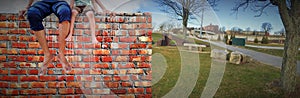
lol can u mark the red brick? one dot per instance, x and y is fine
(128, 39)
(3, 24)
(28, 78)
(33, 72)
(4, 37)
(136, 90)
(91, 59)
(72, 45)
(23, 24)
(38, 84)
(83, 39)
(56, 85)
(18, 72)
(47, 91)
(144, 65)
(42, 52)
(119, 91)
(147, 77)
(25, 64)
(105, 65)
(9, 78)
(66, 91)
(106, 58)
(81, 65)
(27, 51)
(29, 92)
(2, 17)
(92, 46)
(101, 91)
(74, 84)
(18, 45)
(3, 72)
(149, 33)
(83, 91)
(135, 71)
(47, 78)
(149, 90)
(101, 52)
(137, 58)
(112, 84)
(8, 64)
(2, 45)
(83, 51)
(93, 85)
(138, 46)
(35, 58)
(108, 39)
(107, 78)
(144, 96)
(2, 58)
(17, 31)
(53, 45)
(128, 65)
(127, 84)
(66, 78)
(33, 45)
(121, 59)
(4, 85)
(95, 71)
(128, 52)
(84, 78)
(10, 92)
(142, 84)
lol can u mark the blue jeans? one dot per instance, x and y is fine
(41, 9)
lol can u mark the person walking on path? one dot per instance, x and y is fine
(88, 7)
(35, 15)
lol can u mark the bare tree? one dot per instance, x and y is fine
(289, 11)
(184, 8)
(267, 27)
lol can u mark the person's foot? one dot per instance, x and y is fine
(47, 60)
(67, 67)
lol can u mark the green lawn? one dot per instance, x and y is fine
(247, 80)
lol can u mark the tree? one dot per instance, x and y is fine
(184, 8)
(267, 27)
(289, 12)
(255, 40)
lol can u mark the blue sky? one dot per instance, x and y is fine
(223, 16)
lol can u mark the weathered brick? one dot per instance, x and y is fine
(101, 52)
(122, 59)
(112, 84)
(3, 72)
(74, 84)
(101, 91)
(119, 91)
(127, 84)
(64, 91)
(47, 78)
(143, 84)
(106, 58)
(47, 91)
(18, 72)
(136, 90)
(91, 59)
(128, 39)
(29, 92)
(93, 85)
(83, 91)
(38, 84)
(18, 45)
(104, 65)
(84, 78)
(9, 92)
(4, 85)
(95, 71)
(28, 78)
(9, 78)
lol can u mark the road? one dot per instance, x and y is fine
(266, 47)
(259, 56)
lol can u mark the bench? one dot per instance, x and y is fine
(190, 45)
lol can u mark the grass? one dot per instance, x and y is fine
(274, 52)
(247, 80)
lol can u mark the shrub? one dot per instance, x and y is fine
(255, 40)
(265, 40)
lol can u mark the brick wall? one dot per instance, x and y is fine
(118, 66)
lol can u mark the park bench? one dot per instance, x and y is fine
(190, 46)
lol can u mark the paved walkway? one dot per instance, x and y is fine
(259, 56)
(266, 47)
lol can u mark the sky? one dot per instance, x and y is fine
(222, 16)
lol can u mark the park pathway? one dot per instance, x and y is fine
(259, 56)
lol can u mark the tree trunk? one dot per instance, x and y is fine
(185, 18)
(291, 22)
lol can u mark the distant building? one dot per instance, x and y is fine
(212, 28)
(259, 33)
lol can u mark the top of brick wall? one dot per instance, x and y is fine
(14, 16)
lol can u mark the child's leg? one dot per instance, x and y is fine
(74, 14)
(91, 18)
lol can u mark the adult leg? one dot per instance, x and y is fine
(35, 17)
(91, 18)
(74, 14)
(63, 12)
